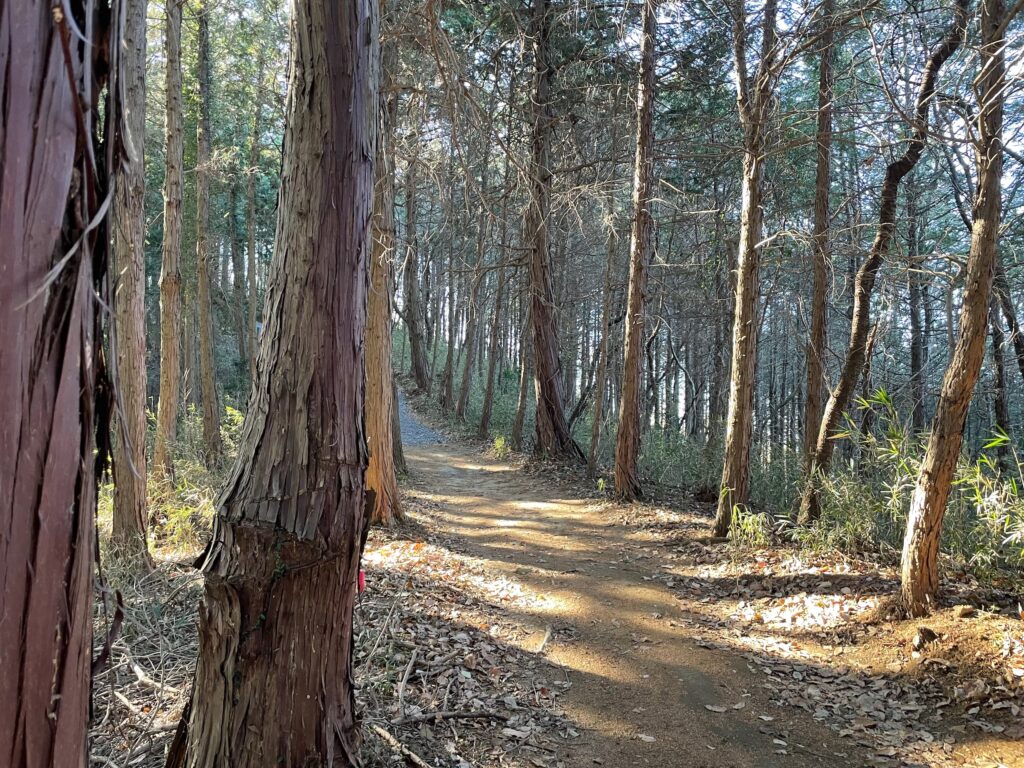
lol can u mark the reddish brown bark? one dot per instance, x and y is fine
(56, 400)
(627, 445)
(273, 683)
(551, 430)
(380, 472)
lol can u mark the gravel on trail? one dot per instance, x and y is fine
(414, 431)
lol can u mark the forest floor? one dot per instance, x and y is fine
(521, 619)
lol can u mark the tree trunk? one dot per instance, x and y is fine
(865, 281)
(412, 309)
(250, 222)
(820, 248)
(170, 275)
(552, 436)
(380, 473)
(128, 539)
(207, 363)
(753, 108)
(493, 350)
(1002, 291)
(627, 443)
(601, 375)
(445, 395)
(273, 683)
(53, 173)
(915, 264)
(525, 371)
(920, 567)
(396, 431)
(237, 278)
(1001, 406)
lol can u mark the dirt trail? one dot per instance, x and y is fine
(640, 688)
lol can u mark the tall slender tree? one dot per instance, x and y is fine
(627, 445)
(753, 101)
(820, 249)
(380, 472)
(170, 274)
(204, 297)
(273, 683)
(129, 329)
(919, 579)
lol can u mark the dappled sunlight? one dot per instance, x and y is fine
(745, 662)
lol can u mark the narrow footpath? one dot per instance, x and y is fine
(644, 693)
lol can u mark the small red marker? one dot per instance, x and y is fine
(362, 581)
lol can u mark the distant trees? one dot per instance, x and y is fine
(273, 683)
(129, 288)
(857, 351)
(59, 118)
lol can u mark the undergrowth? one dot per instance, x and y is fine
(181, 511)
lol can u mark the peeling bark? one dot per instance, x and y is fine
(273, 683)
(53, 439)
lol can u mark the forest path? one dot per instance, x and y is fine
(640, 688)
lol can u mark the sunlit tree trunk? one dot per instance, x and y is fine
(207, 360)
(380, 472)
(753, 105)
(551, 431)
(820, 246)
(128, 262)
(920, 568)
(53, 171)
(864, 283)
(627, 444)
(273, 683)
(170, 275)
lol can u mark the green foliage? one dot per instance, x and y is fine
(501, 447)
(865, 507)
(751, 529)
